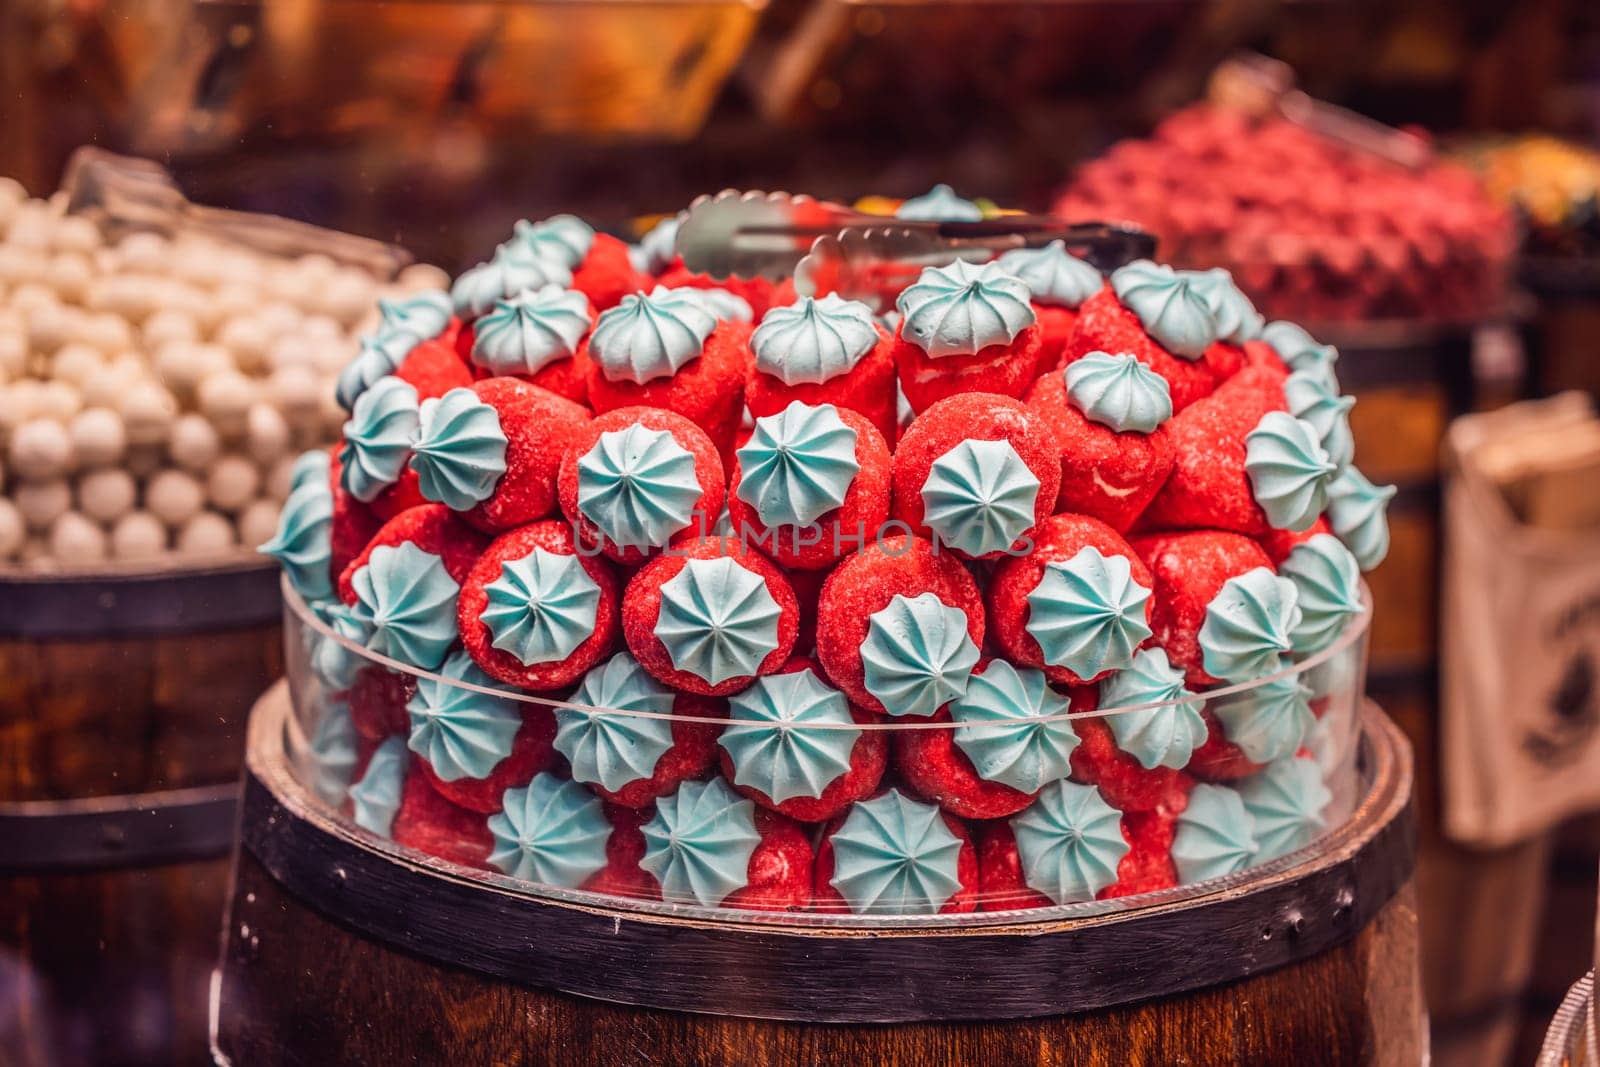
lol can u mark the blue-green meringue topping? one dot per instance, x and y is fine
(1009, 727)
(566, 239)
(1215, 835)
(409, 601)
(1301, 351)
(939, 204)
(651, 336)
(1248, 625)
(718, 621)
(461, 732)
(1052, 275)
(527, 332)
(332, 754)
(1288, 470)
(1157, 737)
(1238, 320)
(1312, 400)
(460, 450)
(658, 247)
(638, 486)
(377, 356)
(961, 309)
(302, 545)
(699, 843)
(1356, 511)
(550, 832)
(310, 468)
(1088, 613)
(770, 746)
(335, 665)
(918, 655)
(512, 270)
(1070, 842)
(895, 856)
(1327, 580)
(541, 607)
(423, 314)
(377, 438)
(376, 796)
(609, 746)
(1119, 392)
(798, 465)
(1168, 306)
(1285, 802)
(814, 340)
(979, 497)
(1268, 721)
(723, 305)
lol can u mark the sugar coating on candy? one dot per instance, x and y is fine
(410, 599)
(895, 856)
(1070, 842)
(430, 823)
(430, 527)
(1189, 570)
(433, 368)
(707, 389)
(539, 427)
(700, 842)
(550, 832)
(1215, 835)
(1162, 736)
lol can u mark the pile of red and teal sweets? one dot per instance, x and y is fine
(620, 572)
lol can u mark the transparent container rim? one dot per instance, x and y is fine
(1349, 637)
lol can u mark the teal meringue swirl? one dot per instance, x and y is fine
(1119, 392)
(302, 545)
(566, 239)
(527, 332)
(979, 497)
(1301, 351)
(1168, 306)
(423, 314)
(1088, 613)
(550, 832)
(607, 748)
(1248, 625)
(377, 438)
(541, 607)
(1001, 729)
(1269, 721)
(1238, 320)
(723, 305)
(1156, 737)
(658, 247)
(1357, 512)
(1054, 277)
(1215, 835)
(918, 655)
(699, 843)
(459, 452)
(768, 742)
(335, 665)
(310, 468)
(1327, 581)
(462, 733)
(408, 600)
(1286, 804)
(332, 754)
(798, 465)
(1288, 470)
(895, 856)
(1312, 400)
(512, 270)
(939, 204)
(651, 336)
(718, 620)
(962, 309)
(377, 356)
(814, 340)
(638, 486)
(1070, 842)
(376, 796)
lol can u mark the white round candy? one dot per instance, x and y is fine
(106, 331)
(173, 497)
(347, 295)
(76, 540)
(30, 296)
(19, 402)
(74, 233)
(70, 275)
(107, 494)
(166, 326)
(181, 364)
(48, 327)
(40, 503)
(417, 276)
(77, 363)
(248, 338)
(138, 535)
(40, 451)
(330, 357)
(225, 397)
(206, 534)
(13, 353)
(59, 400)
(292, 350)
(31, 226)
(194, 444)
(99, 437)
(12, 194)
(296, 391)
(232, 483)
(266, 433)
(143, 252)
(234, 299)
(106, 389)
(280, 317)
(321, 328)
(258, 522)
(13, 531)
(279, 475)
(144, 461)
(20, 265)
(148, 410)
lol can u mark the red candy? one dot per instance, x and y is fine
(692, 755)
(531, 752)
(965, 899)
(1104, 325)
(867, 388)
(539, 426)
(606, 274)
(708, 390)
(1220, 760)
(551, 536)
(1004, 369)
(1189, 570)
(1279, 543)
(352, 525)
(761, 294)
(1056, 326)
(433, 528)
(1126, 784)
(622, 876)
(780, 867)
(430, 823)
(434, 368)
(377, 699)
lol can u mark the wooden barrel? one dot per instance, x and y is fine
(340, 947)
(123, 699)
(1573, 1039)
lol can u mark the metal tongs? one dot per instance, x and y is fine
(829, 248)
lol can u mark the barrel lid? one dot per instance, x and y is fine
(118, 602)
